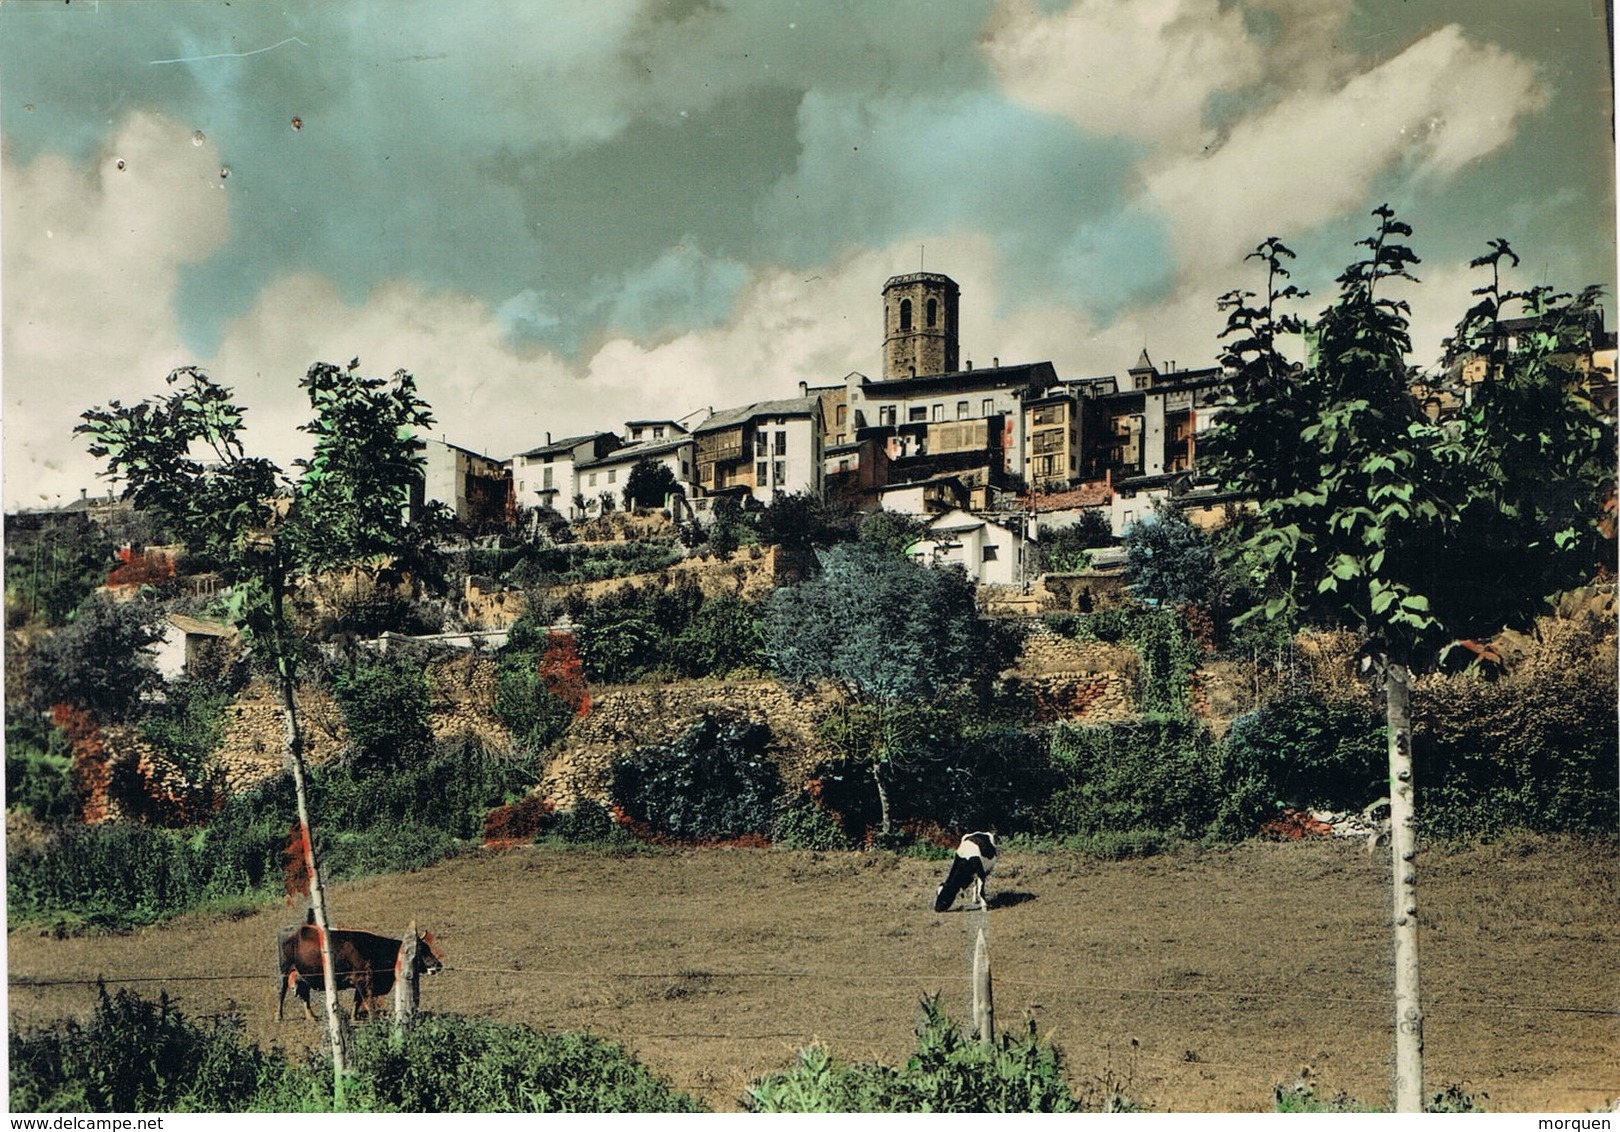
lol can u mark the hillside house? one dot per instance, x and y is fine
(544, 476)
(761, 450)
(194, 648)
(609, 474)
(989, 552)
(476, 489)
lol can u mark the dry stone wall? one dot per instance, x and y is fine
(628, 717)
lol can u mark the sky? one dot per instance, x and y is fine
(559, 216)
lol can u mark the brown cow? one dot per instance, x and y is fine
(361, 961)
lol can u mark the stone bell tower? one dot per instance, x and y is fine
(919, 326)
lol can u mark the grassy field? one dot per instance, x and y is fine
(1197, 981)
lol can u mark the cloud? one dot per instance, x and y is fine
(1315, 155)
(91, 260)
(1139, 68)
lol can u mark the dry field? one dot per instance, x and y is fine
(1197, 980)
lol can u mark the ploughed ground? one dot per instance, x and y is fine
(1194, 981)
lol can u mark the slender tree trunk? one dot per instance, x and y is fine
(294, 739)
(883, 795)
(1403, 850)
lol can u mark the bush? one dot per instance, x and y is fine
(140, 1056)
(454, 1064)
(385, 705)
(535, 717)
(1155, 774)
(949, 1072)
(1303, 751)
(38, 767)
(100, 661)
(635, 633)
(805, 825)
(714, 782)
(1535, 750)
(189, 725)
(368, 822)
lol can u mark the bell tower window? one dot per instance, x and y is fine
(933, 312)
(905, 314)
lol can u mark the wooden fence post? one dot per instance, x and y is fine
(407, 994)
(984, 1011)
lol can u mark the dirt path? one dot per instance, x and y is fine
(1197, 980)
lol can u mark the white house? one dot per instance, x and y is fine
(609, 474)
(990, 553)
(544, 476)
(762, 449)
(193, 647)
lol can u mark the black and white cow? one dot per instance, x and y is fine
(975, 857)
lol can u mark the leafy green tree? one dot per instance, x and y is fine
(1364, 506)
(892, 531)
(181, 455)
(648, 484)
(1169, 561)
(892, 633)
(1063, 550)
(101, 661)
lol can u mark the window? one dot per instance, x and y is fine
(989, 552)
(593, 479)
(546, 480)
(762, 443)
(988, 408)
(885, 414)
(939, 412)
(933, 311)
(917, 413)
(686, 470)
(779, 472)
(781, 444)
(905, 314)
(658, 432)
(613, 475)
(843, 415)
(843, 465)
(759, 473)
(961, 410)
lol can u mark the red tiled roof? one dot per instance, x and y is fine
(1086, 495)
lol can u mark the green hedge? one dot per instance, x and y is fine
(134, 1055)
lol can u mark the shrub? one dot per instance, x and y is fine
(535, 716)
(714, 782)
(1155, 774)
(949, 1072)
(452, 1064)
(1303, 751)
(385, 705)
(1535, 750)
(585, 824)
(181, 1065)
(100, 661)
(38, 767)
(805, 825)
(189, 725)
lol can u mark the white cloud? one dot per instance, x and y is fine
(1139, 68)
(1317, 154)
(91, 259)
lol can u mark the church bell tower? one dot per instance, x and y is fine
(919, 326)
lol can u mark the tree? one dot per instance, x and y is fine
(100, 661)
(1063, 550)
(1169, 561)
(181, 455)
(649, 484)
(1364, 505)
(892, 633)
